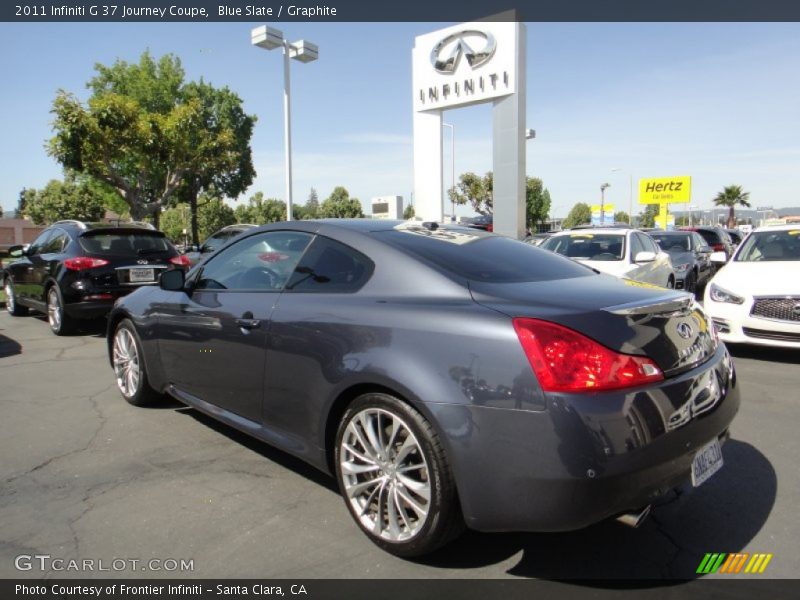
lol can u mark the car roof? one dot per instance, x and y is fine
(593, 230)
(787, 227)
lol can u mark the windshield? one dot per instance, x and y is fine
(771, 246)
(673, 242)
(588, 246)
(218, 239)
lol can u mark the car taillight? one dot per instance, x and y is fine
(490, 227)
(567, 361)
(81, 263)
(718, 247)
(181, 260)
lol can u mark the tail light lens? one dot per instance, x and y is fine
(718, 247)
(81, 263)
(181, 260)
(490, 227)
(567, 361)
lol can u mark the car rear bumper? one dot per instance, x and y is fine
(586, 457)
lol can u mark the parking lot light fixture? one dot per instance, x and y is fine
(303, 51)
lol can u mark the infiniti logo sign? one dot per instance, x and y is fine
(477, 48)
(796, 309)
(685, 330)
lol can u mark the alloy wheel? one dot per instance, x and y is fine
(54, 310)
(385, 475)
(126, 363)
(9, 297)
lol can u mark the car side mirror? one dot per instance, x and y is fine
(16, 251)
(172, 280)
(718, 257)
(644, 256)
(193, 248)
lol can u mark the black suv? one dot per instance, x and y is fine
(716, 237)
(76, 270)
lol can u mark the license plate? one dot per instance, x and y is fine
(140, 275)
(707, 461)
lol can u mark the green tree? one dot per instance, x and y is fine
(622, 217)
(260, 210)
(647, 218)
(732, 196)
(174, 220)
(682, 221)
(312, 205)
(474, 190)
(72, 198)
(537, 202)
(409, 212)
(580, 214)
(150, 137)
(340, 205)
(26, 195)
(213, 215)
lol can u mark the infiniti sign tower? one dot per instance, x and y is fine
(472, 63)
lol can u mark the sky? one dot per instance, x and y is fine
(717, 101)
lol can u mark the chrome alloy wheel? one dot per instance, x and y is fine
(9, 297)
(385, 475)
(126, 363)
(54, 309)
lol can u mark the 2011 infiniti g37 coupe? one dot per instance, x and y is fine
(445, 375)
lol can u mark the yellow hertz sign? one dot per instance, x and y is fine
(665, 190)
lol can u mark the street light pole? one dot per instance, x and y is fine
(287, 128)
(603, 203)
(270, 38)
(453, 160)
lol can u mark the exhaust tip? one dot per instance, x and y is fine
(634, 518)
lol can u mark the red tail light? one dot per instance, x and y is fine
(566, 361)
(181, 260)
(718, 247)
(81, 263)
(490, 227)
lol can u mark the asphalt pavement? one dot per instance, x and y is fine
(85, 476)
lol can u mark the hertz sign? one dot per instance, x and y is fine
(665, 190)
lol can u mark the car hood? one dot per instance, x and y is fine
(776, 278)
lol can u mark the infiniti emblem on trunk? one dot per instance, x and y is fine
(796, 309)
(685, 330)
(141, 261)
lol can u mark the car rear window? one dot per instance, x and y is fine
(128, 243)
(482, 256)
(674, 242)
(711, 237)
(588, 246)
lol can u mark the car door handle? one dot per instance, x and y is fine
(248, 323)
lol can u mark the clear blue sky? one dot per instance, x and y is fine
(719, 102)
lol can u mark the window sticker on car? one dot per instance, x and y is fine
(640, 284)
(794, 232)
(581, 235)
(273, 257)
(445, 235)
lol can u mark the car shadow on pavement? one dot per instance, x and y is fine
(721, 516)
(764, 353)
(270, 453)
(9, 347)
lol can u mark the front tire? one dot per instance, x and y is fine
(12, 306)
(127, 359)
(690, 283)
(395, 478)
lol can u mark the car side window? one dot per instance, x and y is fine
(636, 246)
(39, 243)
(649, 244)
(700, 243)
(55, 243)
(264, 261)
(330, 267)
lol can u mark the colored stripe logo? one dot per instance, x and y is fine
(738, 562)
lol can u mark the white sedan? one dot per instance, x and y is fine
(755, 298)
(627, 253)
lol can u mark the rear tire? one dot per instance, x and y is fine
(128, 362)
(12, 306)
(60, 323)
(395, 478)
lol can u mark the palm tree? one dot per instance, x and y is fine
(730, 196)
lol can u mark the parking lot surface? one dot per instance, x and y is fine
(86, 476)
